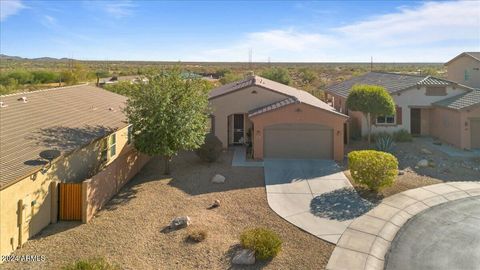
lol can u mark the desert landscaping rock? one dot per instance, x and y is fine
(180, 222)
(244, 257)
(218, 179)
(426, 151)
(422, 163)
(216, 203)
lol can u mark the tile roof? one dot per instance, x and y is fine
(299, 96)
(392, 82)
(61, 118)
(462, 101)
(474, 55)
(272, 106)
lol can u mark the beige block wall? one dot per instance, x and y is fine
(308, 115)
(42, 191)
(241, 101)
(99, 189)
(456, 71)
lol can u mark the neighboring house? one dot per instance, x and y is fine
(279, 121)
(465, 69)
(422, 107)
(84, 125)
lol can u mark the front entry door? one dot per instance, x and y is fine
(415, 121)
(238, 129)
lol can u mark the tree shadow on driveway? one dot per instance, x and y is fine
(341, 204)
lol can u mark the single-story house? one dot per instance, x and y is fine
(465, 69)
(425, 105)
(54, 137)
(278, 121)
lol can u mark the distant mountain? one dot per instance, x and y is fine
(18, 58)
(8, 57)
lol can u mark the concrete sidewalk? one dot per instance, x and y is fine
(314, 195)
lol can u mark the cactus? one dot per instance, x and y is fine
(384, 143)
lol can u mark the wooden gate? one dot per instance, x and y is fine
(70, 203)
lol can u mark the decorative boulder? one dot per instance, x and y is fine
(244, 257)
(426, 151)
(180, 222)
(216, 203)
(218, 179)
(422, 163)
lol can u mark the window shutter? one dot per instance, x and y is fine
(399, 115)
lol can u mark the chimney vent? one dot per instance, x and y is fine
(23, 99)
(2, 104)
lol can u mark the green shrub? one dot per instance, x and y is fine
(211, 150)
(91, 264)
(197, 235)
(374, 169)
(402, 136)
(384, 143)
(266, 243)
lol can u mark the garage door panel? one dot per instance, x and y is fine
(298, 141)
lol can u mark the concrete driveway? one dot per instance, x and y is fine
(314, 195)
(444, 237)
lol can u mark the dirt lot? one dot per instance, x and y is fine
(129, 231)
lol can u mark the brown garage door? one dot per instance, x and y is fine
(475, 133)
(298, 141)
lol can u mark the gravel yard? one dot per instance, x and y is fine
(128, 232)
(443, 168)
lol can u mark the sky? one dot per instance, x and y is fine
(276, 31)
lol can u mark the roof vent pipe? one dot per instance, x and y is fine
(23, 99)
(2, 104)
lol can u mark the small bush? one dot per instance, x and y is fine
(402, 136)
(384, 143)
(91, 264)
(211, 150)
(266, 243)
(372, 168)
(197, 235)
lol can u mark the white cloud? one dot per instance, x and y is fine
(433, 31)
(9, 8)
(431, 22)
(49, 21)
(119, 9)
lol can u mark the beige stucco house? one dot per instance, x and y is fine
(83, 124)
(425, 105)
(277, 120)
(465, 69)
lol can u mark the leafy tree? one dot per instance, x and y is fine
(372, 101)
(168, 114)
(42, 76)
(124, 88)
(230, 77)
(21, 76)
(280, 75)
(307, 76)
(77, 74)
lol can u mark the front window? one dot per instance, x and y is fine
(112, 144)
(389, 119)
(466, 75)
